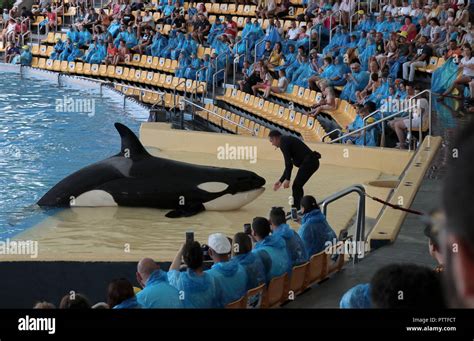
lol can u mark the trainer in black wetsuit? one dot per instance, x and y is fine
(296, 153)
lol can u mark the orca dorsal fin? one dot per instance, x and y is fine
(131, 145)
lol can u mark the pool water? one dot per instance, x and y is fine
(41, 142)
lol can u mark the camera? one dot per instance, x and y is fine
(189, 237)
(294, 214)
(247, 228)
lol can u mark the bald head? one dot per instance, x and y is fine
(145, 268)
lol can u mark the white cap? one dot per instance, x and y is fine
(460, 2)
(219, 243)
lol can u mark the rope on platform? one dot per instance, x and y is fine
(395, 207)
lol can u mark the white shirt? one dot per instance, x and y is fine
(405, 10)
(293, 33)
(434, 30)
(467, 71)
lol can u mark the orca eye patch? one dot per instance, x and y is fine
(213, 187)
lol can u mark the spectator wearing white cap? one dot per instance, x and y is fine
(462, 14)
(229, 275)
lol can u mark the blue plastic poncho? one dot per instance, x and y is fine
(113, 29)
(158, 293)
(172, 43)
(294, 245)
(99, 56)
(57, 49)
(158, 45)
(180, 41)
(216, 30)
(197, 291)
(337, 76)
(358, 139)
(254, 268)
(360, 81)
(66, 52)
(26, 57)
(85, 37)
(370, 51)
(315, 232)
(444, 76)
(90, 52)
(182, 66)
(231, 281)
(130, 303)
(193, 66)
(73, 35)
(357, 297)
(272, 251)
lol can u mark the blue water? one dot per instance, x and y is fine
(39, 145)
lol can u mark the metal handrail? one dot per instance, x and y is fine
(360, 220)
(330, 23)
(332, 131)
(358, 12)
(373, 124)
(236, 62)
(365, 123)
(216, 114)
(255, 49)
(185, 80)
(204, 90)
(214, 81)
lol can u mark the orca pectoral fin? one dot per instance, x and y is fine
(185, 211)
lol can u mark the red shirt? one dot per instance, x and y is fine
(231, 28)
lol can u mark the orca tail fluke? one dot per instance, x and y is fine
(131, 145)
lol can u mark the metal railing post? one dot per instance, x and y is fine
(214, 82)
(360, 220)
(255, 49)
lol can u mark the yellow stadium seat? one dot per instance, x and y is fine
(103, 70)
(35, 50)
(72, 67)
(86, 69)
(34, 62)
(49, 64)
(110, 71)
(94, 69)
(298, 277)
(64, 66)
(79, 66)
(275, 294)
(57, 65)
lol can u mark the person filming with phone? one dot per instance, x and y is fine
(296, 153)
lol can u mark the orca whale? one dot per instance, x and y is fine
(135, 178)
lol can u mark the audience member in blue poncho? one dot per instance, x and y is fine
(194, 65)
(196, 287)
(68, 47)
(368, 52)
(183, 63)
(158, 45)
(271, 35)
(157, 293)
(314, 230)
(366, 23)
(206, 66)
(370, 133)
(216, 29)
(271, 249)
(294, 245)
(289, 58)
(26, 56)
(357, 297)
(172, 43)
(229, 275)
(340, 38)
(303, 69)
(57, 49)
(93, 48)
(85, 37)
(357, 80)
(114, 28)
(99, 56)
(180, 40)
(251, 262)
(120, 295)
(337, 78)
(296, 63)
(75, 53)
(73, 34)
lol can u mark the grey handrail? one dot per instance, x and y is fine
(185, 81)
(360, 220)
(353, 15)
(330, 23)
(216, 114)
(372, 124)
(236, 62)
(214, 81)
(332, 131)
(255, 49)
(365, 123)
